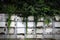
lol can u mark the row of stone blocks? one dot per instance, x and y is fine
(27, 39)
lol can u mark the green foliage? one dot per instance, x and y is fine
(9, 10)
(32, 7)
(41, 1)
(37, 8)
(47, 21)
(9, 21)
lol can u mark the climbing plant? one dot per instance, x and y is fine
(10, 9)
(36, 8)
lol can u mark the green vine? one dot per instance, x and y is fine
(9, 21)
(47, 20)
(10, 9)
(25, 19)
(31, 8)
(26, 24)
(35, 20)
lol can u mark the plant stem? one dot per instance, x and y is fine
(26, 24)
(9, 21)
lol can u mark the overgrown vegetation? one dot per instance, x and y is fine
(36, 8)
